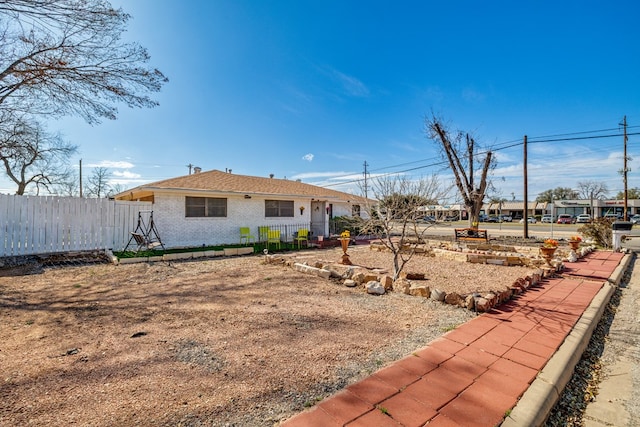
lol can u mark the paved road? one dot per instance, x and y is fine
(508, 229)
(537, 230)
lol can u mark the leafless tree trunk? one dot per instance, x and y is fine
(462, 166)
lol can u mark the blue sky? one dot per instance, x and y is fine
(312, 90)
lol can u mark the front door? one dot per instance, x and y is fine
(318, 218)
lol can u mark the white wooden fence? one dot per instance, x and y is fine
(32, 225)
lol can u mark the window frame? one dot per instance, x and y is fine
(279, 208)
(206, 207)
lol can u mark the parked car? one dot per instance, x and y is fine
(613, 216)
(428, 219)
(506, 218)
(583, 219)
(493, 219)
(548, 219)
(530, 220)
(565, 219)
(635, 219)
(451, 218)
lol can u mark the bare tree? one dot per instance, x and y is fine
(395, 219)
(69, 186)
(98, 182)
(31, 156)
(115, 189)
(462, 164)
(592, 190)
(66, 57)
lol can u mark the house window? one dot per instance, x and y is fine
(355, 210)
(205, 207)
(278, 208)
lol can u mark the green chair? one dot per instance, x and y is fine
(245, 234)
(273, 236)
(263, 233)
(302, 236)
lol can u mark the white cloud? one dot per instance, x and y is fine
(351, 85)
(111, 164)
(126, 175)
(308, 157)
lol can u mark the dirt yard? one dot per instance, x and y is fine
(218, 342)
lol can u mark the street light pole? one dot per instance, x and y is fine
(553, 208)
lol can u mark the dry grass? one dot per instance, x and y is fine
(211, 342)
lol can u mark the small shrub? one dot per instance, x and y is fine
(599, 230)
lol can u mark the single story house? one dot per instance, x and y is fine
(208, 208)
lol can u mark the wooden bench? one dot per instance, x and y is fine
(471, 234)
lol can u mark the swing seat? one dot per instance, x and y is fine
(144, 242)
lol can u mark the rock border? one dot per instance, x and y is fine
(410, 283)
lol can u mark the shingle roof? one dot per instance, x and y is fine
(223, 182)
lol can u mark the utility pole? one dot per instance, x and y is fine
(526, 192)
(366, 187)
(80, 178)
(190, 166)
(624, 170)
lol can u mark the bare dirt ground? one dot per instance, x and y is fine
(218, 342)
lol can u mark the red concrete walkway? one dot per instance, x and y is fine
(473, 375)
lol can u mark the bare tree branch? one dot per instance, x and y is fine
(592, 190)
(66, 57)
(98, 182)
(31, 156)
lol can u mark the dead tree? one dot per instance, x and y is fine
(462, 165)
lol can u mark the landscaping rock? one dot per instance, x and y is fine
(303, 268)
(482, 305)
(414, 276)
(387, 282)
(349, 273)
(420, 291)
(350, 283)
(469, 302)
(452, 298)
(368, 277)
(401, 286)
(358, 278)
(375, 288)
(438, 295)
(335, 275)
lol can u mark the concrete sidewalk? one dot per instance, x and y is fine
(617, 403)
(511, 362)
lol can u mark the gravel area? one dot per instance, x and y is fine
(215, 342)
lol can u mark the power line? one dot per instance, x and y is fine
(501, 146)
